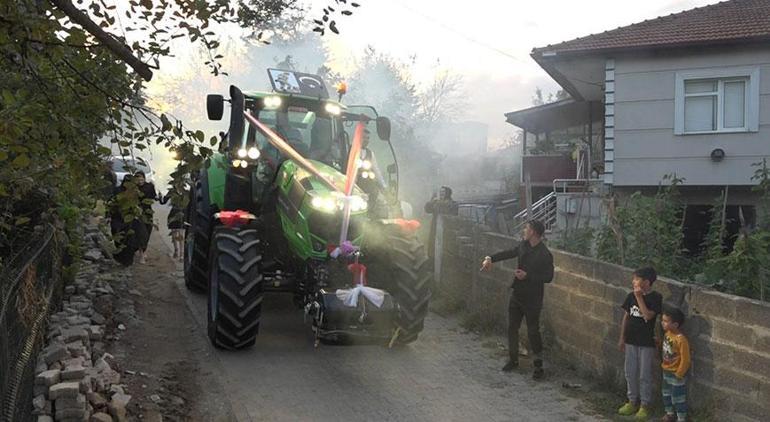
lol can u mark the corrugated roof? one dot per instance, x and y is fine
(725, 22)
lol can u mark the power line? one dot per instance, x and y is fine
(458, 33)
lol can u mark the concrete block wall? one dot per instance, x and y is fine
(729, 335)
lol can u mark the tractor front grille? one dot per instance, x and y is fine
(328, 226)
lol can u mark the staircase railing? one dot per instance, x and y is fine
(544, 209)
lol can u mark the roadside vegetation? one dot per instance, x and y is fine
(647, 230)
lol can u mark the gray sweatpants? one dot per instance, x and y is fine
(639, 362)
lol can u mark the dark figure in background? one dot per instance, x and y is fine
(443, 205)
(128, 231)
(535, 268)
(109, 179)
(147, 196)
(176, 217)
(439, 207)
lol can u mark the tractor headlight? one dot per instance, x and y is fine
(366, 165)
(324, 203)
(242, 153)
(333, 109)
(272, 102)
(236, 163)
(332, 203)
(253, 153)
(357, 203)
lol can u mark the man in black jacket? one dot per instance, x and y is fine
(534, 269)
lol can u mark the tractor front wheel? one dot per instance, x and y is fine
(235, 287)
(401, 265)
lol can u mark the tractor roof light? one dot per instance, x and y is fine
(242, 153)
(253, 153)
(272, 102)
(333, 109)
(342, 89)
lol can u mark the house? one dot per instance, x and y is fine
(685, 94)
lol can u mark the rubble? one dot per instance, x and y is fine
(75, 380)
(48, 378)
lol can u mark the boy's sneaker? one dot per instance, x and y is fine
(510, 366)
(627, 409)
(643, 414)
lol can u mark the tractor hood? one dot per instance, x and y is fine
(318, 190)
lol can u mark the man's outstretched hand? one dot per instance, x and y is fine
(486, 264)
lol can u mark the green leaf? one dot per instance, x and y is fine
(3, 155)
(21, 161)
(22, 221)
(200, 136)
(166, 124)
(213, 141)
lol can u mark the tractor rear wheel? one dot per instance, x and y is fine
(235, 287)
(196, 237)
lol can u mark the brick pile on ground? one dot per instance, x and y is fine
(75, 379)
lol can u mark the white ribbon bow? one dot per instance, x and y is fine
(349, 297)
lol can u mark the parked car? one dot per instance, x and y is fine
(127, 165)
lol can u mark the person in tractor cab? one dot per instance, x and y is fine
(292, 135)
(370, 178)
(323, 147)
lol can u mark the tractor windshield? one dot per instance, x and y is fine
(313, 133)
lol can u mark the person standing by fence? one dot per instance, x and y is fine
(534, 269)
(443, 205)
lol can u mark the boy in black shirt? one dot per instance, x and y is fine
(637, 340)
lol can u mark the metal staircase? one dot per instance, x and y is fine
(544, 210)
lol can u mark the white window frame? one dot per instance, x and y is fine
(728, 74)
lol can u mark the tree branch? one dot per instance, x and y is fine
(118, 48)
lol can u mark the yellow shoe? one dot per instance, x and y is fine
(627, 409)
(643, 414)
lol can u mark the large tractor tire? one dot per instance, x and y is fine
(197, 237)
(404, 270)
(235, 287)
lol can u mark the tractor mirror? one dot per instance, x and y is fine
(215, 106)
(237, 121)
(383, 128)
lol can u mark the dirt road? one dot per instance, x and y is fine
(447, 375)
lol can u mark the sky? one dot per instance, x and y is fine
(486, 41)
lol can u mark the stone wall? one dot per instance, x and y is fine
(729, 335)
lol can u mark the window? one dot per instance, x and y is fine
(717, 101)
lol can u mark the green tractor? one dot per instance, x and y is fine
(261, 221)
